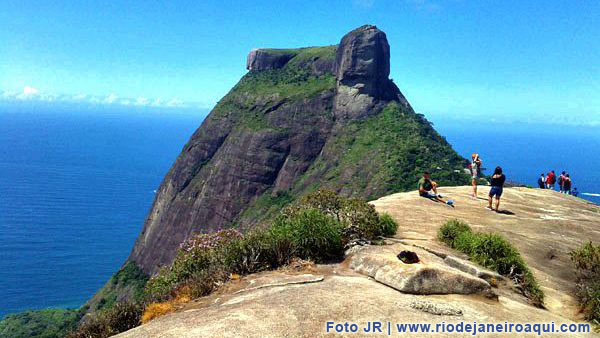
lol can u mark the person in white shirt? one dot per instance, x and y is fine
(475, 172)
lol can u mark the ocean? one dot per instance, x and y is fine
(76, 184)
(525, 151)
(75, 187)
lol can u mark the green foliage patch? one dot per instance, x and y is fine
(129, 279)
(291, 83)
(119, 318)
(494, 252)
(388, 152)
(43, 323)
(587, 263)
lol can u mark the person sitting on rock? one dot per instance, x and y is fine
(426, 185)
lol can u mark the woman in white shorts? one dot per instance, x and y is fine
(475, 172)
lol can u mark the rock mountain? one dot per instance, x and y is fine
(300, 119)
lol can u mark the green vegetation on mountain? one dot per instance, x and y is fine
(494, 252)
(388, 153)
(129, 280)
(49, 323)
(119, 318)
(306, 53)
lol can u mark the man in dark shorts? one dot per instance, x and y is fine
(426, 185)
(497, 183)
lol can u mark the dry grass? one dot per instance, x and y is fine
(299, 265)
(156, 310)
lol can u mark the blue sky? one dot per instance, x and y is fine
(458, 59)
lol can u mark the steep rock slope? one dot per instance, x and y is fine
(298, 120)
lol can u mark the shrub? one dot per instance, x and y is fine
(587, 262)
(196, 257)
(203, 282)
(494, 252)
(449, 232)
(308, 234)
(250, 253)
(388, 225)
(359, 217)
(326, 201)
(120, 318)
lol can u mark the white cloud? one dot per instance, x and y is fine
(110, 99)
(30, 93)
(80, 97)
(141, 101)
(175, 103)
(8, 94)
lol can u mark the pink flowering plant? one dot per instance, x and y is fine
(200, 253)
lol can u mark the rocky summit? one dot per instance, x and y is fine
(373, 284)
(299, 120)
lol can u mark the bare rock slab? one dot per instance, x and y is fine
(473, 269)
(430, 276)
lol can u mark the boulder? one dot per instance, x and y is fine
(429, 276)
(261, 59)
(363, 61)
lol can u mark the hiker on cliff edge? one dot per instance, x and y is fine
(475, 172)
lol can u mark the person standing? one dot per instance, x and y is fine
(561, 180)
(497, 184)
(475, 172)
(567, 184)
(542, 181)
(550, 180)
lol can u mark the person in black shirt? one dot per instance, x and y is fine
(497, 184)
(542, 181)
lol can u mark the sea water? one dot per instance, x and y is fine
(75, 187)
(525, 151)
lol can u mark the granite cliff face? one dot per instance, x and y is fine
(300, 119)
